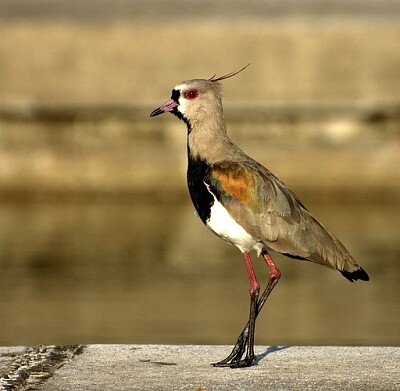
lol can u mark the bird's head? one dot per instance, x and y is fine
(195, 100)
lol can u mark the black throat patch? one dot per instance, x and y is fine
(175, 96)
(201, 197)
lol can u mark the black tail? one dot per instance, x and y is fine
(359, 274)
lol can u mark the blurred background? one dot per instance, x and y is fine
(98, 239)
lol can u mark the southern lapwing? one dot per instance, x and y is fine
(245, 204)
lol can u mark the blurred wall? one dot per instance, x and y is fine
(119, 62)
(78, 82)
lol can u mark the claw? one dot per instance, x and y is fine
(236, 362)
(246, 362)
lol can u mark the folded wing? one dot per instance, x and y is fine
(273, 215)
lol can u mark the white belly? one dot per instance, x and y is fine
(228, 229)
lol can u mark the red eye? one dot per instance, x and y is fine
(191, 94)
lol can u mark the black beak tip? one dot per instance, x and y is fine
(156, 112)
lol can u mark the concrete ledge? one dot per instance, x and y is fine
(170, 367)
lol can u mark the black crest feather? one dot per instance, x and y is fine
(228, 75)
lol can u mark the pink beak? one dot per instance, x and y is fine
(166, 107)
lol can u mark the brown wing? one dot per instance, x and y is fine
(272, 214)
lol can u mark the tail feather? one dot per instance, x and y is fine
(359, 274)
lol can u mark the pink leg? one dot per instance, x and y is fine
(245, 342)
(254, 285)
(274, 276)
(274, 272)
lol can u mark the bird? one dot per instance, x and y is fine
(245, 204)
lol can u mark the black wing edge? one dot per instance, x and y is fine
(359, 274)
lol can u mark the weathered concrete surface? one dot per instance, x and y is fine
(161, 367)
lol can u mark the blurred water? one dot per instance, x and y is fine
(142, 272)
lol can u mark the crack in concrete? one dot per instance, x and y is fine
(26, 369)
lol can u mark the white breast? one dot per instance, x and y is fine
(228, 229)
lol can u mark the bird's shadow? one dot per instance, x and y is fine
(270, 349)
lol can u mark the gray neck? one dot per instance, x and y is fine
(208, 141)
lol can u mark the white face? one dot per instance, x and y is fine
(188, 94)
(198, 99)
(193, 101)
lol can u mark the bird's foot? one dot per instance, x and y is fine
(234, 360)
